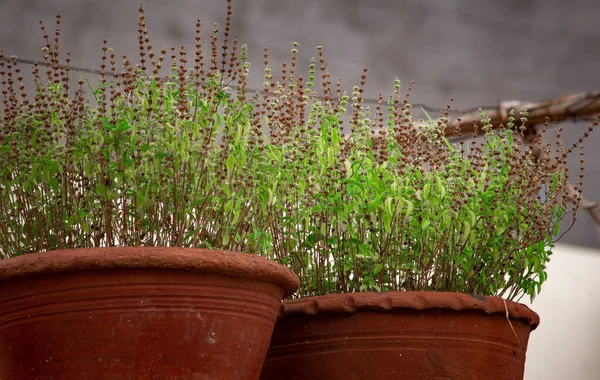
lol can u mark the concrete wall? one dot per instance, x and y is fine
(566, 345)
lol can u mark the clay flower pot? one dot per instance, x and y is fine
(399, 335)
(138, 313)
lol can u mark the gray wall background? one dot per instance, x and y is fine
(478, 52)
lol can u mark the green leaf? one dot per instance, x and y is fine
(387, 222)
(389, 207)
(556, 229)
(473, 217)
(466, 232)
(378, 268)
(54, 183)
(330, 157)
(409, 207)
(426, 189)
(236, 213)
(228, 205)
(323, 229)
(348, 166)
(440, 186)
(365, 249)
(230, 163)
(425, 223)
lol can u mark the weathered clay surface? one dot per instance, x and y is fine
(138, 313)
(188, 259)
(400, 335)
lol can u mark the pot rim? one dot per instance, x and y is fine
(352, 303)
(197, 260)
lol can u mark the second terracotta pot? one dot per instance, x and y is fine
(138, 313)
(400, 335)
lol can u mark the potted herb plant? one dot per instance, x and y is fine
(411, 244)
(122, 212)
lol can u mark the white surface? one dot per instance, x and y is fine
(566, 345)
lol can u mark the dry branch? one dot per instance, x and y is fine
(570, 107)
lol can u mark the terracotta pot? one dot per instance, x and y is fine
(399, 335)
(138, 313)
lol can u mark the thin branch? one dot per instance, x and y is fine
(570, 107)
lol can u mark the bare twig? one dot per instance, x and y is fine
(573, 107)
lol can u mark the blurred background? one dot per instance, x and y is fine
(479, 52)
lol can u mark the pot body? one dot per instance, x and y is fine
(400, 335)
(138, 313)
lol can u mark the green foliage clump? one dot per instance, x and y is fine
(141, 160)
(351, 199)
(399, 204)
